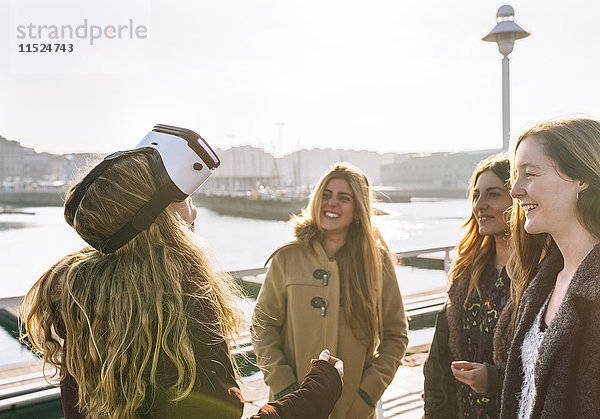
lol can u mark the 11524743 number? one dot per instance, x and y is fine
(45, 47)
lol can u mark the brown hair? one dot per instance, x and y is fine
(475, 251)
(574, 145)
(123, 313)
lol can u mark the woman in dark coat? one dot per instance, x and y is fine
(553, 367)
(142, 330)
(476, 322)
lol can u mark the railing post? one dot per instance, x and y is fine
(380, 409)
(447, 260)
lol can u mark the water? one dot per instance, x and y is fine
(30, 244)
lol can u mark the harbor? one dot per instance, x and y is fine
(421, 233)
(446, 109)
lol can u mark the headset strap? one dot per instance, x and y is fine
(85, 183)
(167, 193)
(142, 219)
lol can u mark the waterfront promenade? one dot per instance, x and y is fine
(410, 228)
(402, 399)
(22, 385)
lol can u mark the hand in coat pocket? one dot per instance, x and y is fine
(360, 409)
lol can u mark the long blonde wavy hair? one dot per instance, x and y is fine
(362, 260)
(574, 145)
(475, 251)
(123, 314)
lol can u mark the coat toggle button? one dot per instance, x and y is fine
(322, 274)
(319, 302)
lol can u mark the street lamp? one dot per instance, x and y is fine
(505, 33)
(280, 126)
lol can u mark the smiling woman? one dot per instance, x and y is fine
(475, 325)
(337, 213)
(490, 201)
(334, 286)
(554, 364)
(546, 194)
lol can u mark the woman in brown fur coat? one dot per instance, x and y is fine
(464, 370)
(553, 367)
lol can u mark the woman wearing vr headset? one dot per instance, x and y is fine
(137, 324)
(334, 286)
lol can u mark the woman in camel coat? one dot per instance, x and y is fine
(335, 287)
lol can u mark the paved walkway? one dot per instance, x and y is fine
(401, 400)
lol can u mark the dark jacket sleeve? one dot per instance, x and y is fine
(69, 398)
(315, 399)
(440, 387)
(69, 390)
(495, 376)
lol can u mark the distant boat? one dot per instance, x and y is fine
(266, 207)
(33, 198)
(9, 210)
(391, 194)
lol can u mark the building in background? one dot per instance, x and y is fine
(243, 168)
(250, 170)
(305, 167)
(24, 169)
(444, 174)
(12, 165)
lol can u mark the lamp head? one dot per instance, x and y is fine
(505, 13)
(506, 31)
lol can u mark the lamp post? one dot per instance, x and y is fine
(505, 33)
(277, 160)
(280, 126)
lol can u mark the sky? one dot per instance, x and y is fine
(386, 75)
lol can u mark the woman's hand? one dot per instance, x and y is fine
(472, 374)
(186, 209)
(336, 362)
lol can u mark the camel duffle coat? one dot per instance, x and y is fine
(567, 368)
(290, 327)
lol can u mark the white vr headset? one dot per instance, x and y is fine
(186, 157)
(181, 161)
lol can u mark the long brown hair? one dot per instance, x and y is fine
(362, 260)
(123, 314)
(574, 145)
(475, 251)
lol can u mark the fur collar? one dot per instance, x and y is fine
(541, 285)
(587, 277)
(307, 232)
(456, 296)
(585, 283)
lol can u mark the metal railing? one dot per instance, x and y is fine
(23, 392)
(404, 254)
